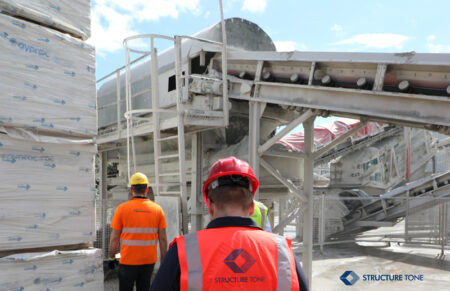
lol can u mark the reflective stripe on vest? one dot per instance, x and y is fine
(263, 215)
(194, 262)
(189, 254)
(283, 264)
(129, 242)
(139, 230)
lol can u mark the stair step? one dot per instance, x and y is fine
(169, 174)
(170, 193)
(168, 156)
(168, 138)
(169, 184)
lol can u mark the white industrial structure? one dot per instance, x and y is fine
(171, 117)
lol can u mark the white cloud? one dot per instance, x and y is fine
(437, 48)
(114, 20)
(336, 27)
(254, 6)
(377, 40)
(338, 30)
(288, 46)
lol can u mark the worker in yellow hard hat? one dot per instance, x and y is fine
(138, 225)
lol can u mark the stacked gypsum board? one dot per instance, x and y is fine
(57, 270)
(47, 190)
(47, 79)
(65, 15)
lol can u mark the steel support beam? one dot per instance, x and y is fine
(254, 137)
(274, 172)
(308, 189)
(339, 140)
(254, 126)
(282, 154)
(285, 131)
(398, 107)
(180, 134)
(103, 194)
(196, 178)
(374, 223)
(291, 216)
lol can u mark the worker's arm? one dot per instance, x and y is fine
(267, 227)
(300, 276)
(114, 242)
(168, 276)
(162, 242)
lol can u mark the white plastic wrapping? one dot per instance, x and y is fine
(72, 16)
(57, 270)
(47, 191)
(47, 79)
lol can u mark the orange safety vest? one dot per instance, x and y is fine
(139, 221)
(236, 258)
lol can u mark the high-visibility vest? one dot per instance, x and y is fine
(236, 258)
(139, 221)
(260, 214)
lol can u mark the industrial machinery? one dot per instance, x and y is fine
(173, 115)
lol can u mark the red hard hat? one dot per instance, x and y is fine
(228, 167)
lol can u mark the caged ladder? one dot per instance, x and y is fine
(164, 184)
(160, 186)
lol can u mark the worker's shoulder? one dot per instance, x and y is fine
(153, 205)
(121, 206)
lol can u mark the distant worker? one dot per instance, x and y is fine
(139, 224)
(232, 253)
(260, 216)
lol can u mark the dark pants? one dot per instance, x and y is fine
(141, 274)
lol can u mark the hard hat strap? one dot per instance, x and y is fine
(232, 180)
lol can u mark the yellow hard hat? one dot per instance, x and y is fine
(138, 179)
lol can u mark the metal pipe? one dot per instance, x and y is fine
(118, 102)
(224, 69)
(181, 143)
(155, 114)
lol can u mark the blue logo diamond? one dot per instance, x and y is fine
(349, 278)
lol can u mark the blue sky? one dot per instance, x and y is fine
(326, 25)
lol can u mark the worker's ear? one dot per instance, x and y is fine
(211, 208)
(146, 190)
(252, 208)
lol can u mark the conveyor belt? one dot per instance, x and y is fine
(392, 205)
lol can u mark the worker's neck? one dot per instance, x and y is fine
(230, 211)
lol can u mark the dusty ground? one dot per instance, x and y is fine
(370, 259)
(380, 260)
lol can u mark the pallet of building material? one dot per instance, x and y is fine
(56, 270)
(73, 17)
(47, 79)
(47, 190)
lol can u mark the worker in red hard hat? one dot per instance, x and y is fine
(232, 253)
